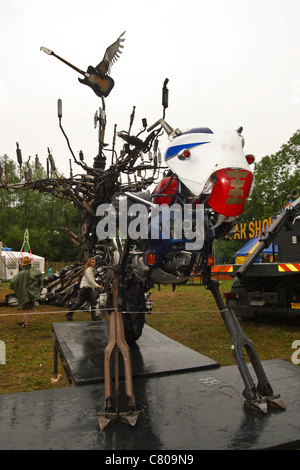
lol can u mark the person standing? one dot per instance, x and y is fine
(27, 287)
(87, 286)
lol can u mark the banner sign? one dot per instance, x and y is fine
(255, 228)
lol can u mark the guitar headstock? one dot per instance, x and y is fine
(48, 51)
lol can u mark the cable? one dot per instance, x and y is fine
(106, 309)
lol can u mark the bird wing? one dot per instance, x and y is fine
(111, 55)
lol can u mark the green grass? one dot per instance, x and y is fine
(188, 315)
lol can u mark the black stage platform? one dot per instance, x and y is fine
(181, 411)
(80, 346)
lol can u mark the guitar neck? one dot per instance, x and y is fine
(68, 63)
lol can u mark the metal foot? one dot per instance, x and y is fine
(257, 405)
(263, 404)
(276, 402)
(106, 419)
(130, 417)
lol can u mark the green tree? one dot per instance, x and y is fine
(276, 176)
(42, 214)
(224, 250)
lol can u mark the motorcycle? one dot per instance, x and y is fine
(209, 178)
(198, 199)
(207, 183)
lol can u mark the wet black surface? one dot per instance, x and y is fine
(182, 410)
(82, 346)
(177, 412)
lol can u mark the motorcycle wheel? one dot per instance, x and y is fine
(132, 303)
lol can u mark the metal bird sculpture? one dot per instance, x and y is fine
(98, 77)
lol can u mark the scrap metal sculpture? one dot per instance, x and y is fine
(204, 169)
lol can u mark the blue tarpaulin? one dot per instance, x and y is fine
(246, 250)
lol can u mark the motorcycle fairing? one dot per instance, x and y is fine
(209, 152)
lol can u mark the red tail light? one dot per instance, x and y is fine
(231, 295)
(229, 193)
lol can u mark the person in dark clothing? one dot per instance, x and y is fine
(87, 286)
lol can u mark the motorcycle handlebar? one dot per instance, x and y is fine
(149, 129)
(169, 130)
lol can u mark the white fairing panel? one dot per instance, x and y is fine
(209, 152)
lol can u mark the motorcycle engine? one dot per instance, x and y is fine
(178, 264)
(175, 266)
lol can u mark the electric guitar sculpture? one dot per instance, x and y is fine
(97, 77)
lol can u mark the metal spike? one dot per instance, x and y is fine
(105, 419)
(257, 405)
(130, 417)
(276, 402)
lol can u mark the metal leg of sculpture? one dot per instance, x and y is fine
(257, 397)
(117, 344)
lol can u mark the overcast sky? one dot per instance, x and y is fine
(230, 63)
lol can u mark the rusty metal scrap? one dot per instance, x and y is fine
(136, 163)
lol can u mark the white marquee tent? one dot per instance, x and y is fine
(10, 261)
